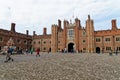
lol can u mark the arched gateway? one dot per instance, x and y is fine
(97, 49)
(70, 47)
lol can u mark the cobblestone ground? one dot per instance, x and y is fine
(58, 66)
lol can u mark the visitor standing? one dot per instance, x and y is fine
(116, 52)
(38, 52)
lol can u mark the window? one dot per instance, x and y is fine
(107, 39)
(84, 33)
(108, 48)
(44, 48)
(39, 42)
(117, 38)
(1, 39)
(70, 33)
(44, 42)
(118, 48)
(97, 39)
(34, 42)
(83, 41)
(25, 42)
(18, 41)
(84, 49)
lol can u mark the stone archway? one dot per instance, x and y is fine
(70, 47)
(97, 49)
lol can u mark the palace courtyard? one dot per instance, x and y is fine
(61, 66)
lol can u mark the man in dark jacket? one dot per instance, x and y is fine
(8, 55)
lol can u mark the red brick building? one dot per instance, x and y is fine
(21, 41)
(75, 37)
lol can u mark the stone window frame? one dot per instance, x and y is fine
(1, 39)
(108, 48)
(98, 39)
(44, 42)
(34, 42)
(44, 48)
(84, 49)
(25, 41)
(118, 48)
(39, 42)
(118, 39)
(70, 33)
(107, 39)
(84, 33)
(83, 41)
(18, 41)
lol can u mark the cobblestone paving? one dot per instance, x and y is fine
(58, 66)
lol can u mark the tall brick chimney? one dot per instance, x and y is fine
(27, 32)
(88, 17)
(59, 23)
(13, 27)
(34, 33)
(77, 21)
(44, 31)
(114, 26)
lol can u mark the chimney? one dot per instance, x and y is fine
(44, 31)
(33, 33)
(59, 23)
(27, 32)
(13, 27)
(88, 17)
(77, 21)
(65, 23)
(114, 26)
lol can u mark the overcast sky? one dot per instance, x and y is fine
(34, 15)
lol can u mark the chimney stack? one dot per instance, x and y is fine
(33, 33)
(13, 27)
(59, 23)
(88, 17)
(77, 21)
(27, 32)
(114, 26)
(44, 31)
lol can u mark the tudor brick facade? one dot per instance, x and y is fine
(80, 39)
(21, 41)
(72, 36)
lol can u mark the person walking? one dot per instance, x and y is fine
(38, 52)
(116, 52)
(31, 51)
(111, 52)
(8, 55)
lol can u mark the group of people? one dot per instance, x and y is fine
(111, 52)
(32, 50)
(9, 52)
